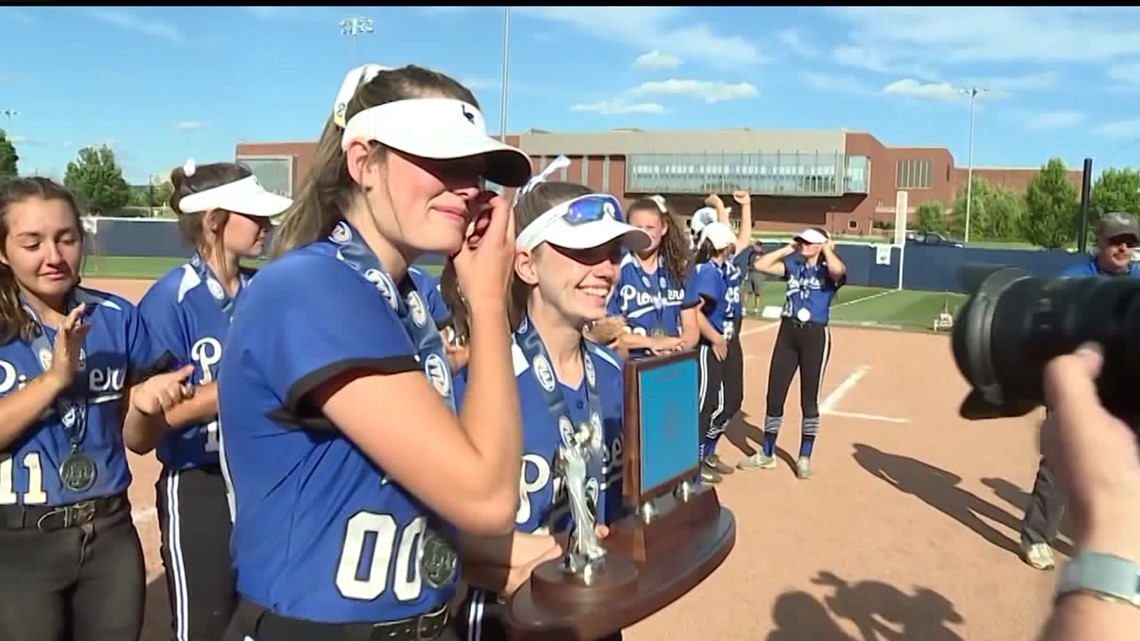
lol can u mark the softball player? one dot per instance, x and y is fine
(569, 248)
(223, 214)
(719, 291)
(659, 311)
(348, 466)
(814, 274)
(71, 567)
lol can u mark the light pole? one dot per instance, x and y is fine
(973, 93)
(353, 27)
(506, 74)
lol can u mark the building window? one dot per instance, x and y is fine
(914, 174)
(852, 224)
(275, 173)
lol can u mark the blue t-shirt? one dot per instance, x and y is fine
(543, 507)
(1092, 268)
(649, 301)
(429, 287)
(183, 318)
(320, 532)
(711, 285)
(116, 350)
(811, 288)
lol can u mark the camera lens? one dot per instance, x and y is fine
(1014, 323)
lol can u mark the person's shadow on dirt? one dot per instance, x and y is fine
(876, 609)
(743, 435)
(939, 489)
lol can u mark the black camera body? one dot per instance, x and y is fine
(1013, 324)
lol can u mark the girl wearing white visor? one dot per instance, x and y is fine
(348, 465)
(223, 214)
(814, 274)
(566, 267)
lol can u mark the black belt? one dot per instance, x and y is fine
(50, 518)
(260, 623)
(795, 322)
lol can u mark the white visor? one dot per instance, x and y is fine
(719, 234)
(811, 236)
(702, 217)
(582, 223)
(245, 196)
(440, 129)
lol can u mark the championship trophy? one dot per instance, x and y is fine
(675, 535)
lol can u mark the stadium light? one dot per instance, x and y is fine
(506, 74)
(973, 93)
(353, 27)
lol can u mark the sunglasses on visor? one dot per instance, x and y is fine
(592, 208)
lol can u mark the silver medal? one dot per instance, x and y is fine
(78, 472)
(804, 315)
(439, 564)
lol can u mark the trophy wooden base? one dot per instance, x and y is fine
(649, 566)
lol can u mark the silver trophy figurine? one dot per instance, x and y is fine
(585, 553)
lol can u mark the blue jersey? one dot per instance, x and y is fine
(733, 278)
(649, 301)
(1092, 268)
(710, 284)
(810, 290)
(116, 349)
(320, 532)
(184, 319)
(429, 287)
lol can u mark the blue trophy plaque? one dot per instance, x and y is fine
(667, 410)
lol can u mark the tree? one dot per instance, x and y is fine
(1115, 190)
(154, 195)
(930, 217)
(97, 180)
(8, 157)
(1051, 204)
(994, 215)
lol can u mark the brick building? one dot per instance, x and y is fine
(840, 180)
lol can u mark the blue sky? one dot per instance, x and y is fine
(164, 84)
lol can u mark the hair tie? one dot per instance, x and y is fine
(352, 80)
(189, 168)
(561, 162)
(660, 200)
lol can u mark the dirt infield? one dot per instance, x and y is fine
(908, 529)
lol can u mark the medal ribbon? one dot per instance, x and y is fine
(653, 282)
(352, 251)
(214, 285)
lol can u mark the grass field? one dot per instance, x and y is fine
(867, 306)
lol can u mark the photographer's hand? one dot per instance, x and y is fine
(1097, 462)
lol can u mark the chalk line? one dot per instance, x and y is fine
(866, 417)
(839, 392)
(860, 300)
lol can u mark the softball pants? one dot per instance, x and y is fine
(799, 346)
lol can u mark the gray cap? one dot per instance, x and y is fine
(1116, 224)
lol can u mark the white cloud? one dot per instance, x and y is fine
(1119, 129)
(657, 60)
(669, 29)
(189, 125)
(794, 41)
(889, 37)
(1054, 119)
(1125, 74)
(708, 90)
(617, 106)
(129, 21)
(911, 88)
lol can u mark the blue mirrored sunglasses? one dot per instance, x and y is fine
(592, 208)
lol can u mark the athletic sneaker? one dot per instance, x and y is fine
(710, 475)
(713, 462)
(1038, 556)
(757, 461)
(803, 468)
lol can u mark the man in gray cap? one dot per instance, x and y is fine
(1117, 236)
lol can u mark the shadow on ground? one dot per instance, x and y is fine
(1019, 499)
(880, 612)
(743, 435)
(939, 489)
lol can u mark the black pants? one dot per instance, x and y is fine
(710, 376)
(194, 518)
(251, 621)
(799, 346)
(80, 583)
(1046, 509)
(483, 618)
(732, 380)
